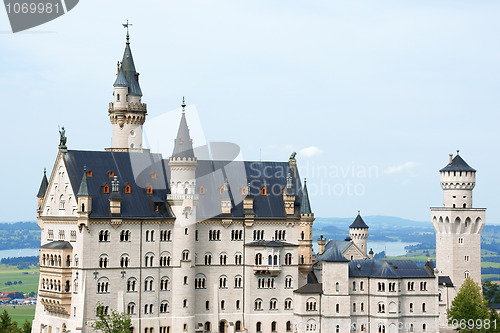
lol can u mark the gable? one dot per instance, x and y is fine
(60, 198)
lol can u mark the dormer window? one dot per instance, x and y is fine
(149, 189)
(202, 189)
(128, 189)
(221, 189)
(105, 189)
(111, 174)
(244, 190)
(89, 173)
(263, 191)
(154, 175)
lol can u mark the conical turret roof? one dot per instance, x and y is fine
(43, 185)
(457, 164)
(358, 223)
(305, 206)
(183, 146)
(120, 79)
(84, 188)
(131, 76)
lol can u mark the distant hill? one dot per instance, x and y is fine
(19, 235)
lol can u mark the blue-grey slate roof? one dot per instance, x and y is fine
(183, 146)
(388, 269)
(305, 207)
(332, 254)
(131, 75)
(341, 245)
(445, 280)
(120, 79)
(458, 164)
(57, 245)
(136, 168)
(84, 187)
(43, 186)
(358, 223)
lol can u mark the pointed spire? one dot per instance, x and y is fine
(249, 190)
(115, 188)
(128, 68)
(84, 188)
(183, 146)
(43, 185)
(305, 207)
(358, 222)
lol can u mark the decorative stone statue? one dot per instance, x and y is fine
(292, 157)
(63, 138)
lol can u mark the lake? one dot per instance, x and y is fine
(19, 253)
(390, 248)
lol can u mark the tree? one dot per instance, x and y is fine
(491, 292)
(469, 311)
(115, 322)
(5, 322)
(26, 327)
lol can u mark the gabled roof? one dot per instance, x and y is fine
(305, 206)
(43, 185)
(341, 245)
(359, 223)
(333, 254)
(57, 245)
(388, 269)
(458, 164)
(183, 146)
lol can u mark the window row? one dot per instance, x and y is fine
(273, 304)
(54, 285)
(55, 260)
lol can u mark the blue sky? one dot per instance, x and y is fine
(373, 95)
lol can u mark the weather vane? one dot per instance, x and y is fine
(126, 25)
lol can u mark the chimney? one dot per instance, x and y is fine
(115, 199)
(451, 158)
(371, 254)
(321, 244)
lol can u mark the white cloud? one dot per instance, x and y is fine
(400, 168)
(310, 151)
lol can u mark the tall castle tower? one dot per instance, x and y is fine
(358, 231)
(458, 226)
(183, 200)
(126, 113)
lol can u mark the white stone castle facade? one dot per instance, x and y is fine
(188, 245)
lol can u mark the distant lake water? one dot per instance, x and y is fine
(19, 253)
(390, 248)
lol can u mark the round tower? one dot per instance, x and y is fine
(358, 231)
(127, 113)
(183, 200)
(458, 225)
(458, 180)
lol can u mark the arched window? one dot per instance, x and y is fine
(273, 304)
(288, 304)
(238, 281)
(148, 284)
(103, 285)
(131, 282)
(263, 191)
(222, 282)
(258, 327)
(128, 189)
(208, 259)
(288, 259)
(103, 261)
(200, 281)
(202, 190)
(105, 189)
(274, 326)
(124, 260)
(164, 307)
(149, 189)
(185, 255)
(288, 282)
(288, 326)
(258, 304)
(237, 326)
(258, 259)
(131, 308)
(164, 283)
(337, 286)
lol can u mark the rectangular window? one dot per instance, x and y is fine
(50, 235)
(73, 235)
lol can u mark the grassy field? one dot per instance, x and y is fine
(11, 273)
(20, 313)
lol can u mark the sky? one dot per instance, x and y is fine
(372, 95)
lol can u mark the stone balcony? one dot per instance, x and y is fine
(267, 270)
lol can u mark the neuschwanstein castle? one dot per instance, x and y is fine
(189, 245)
